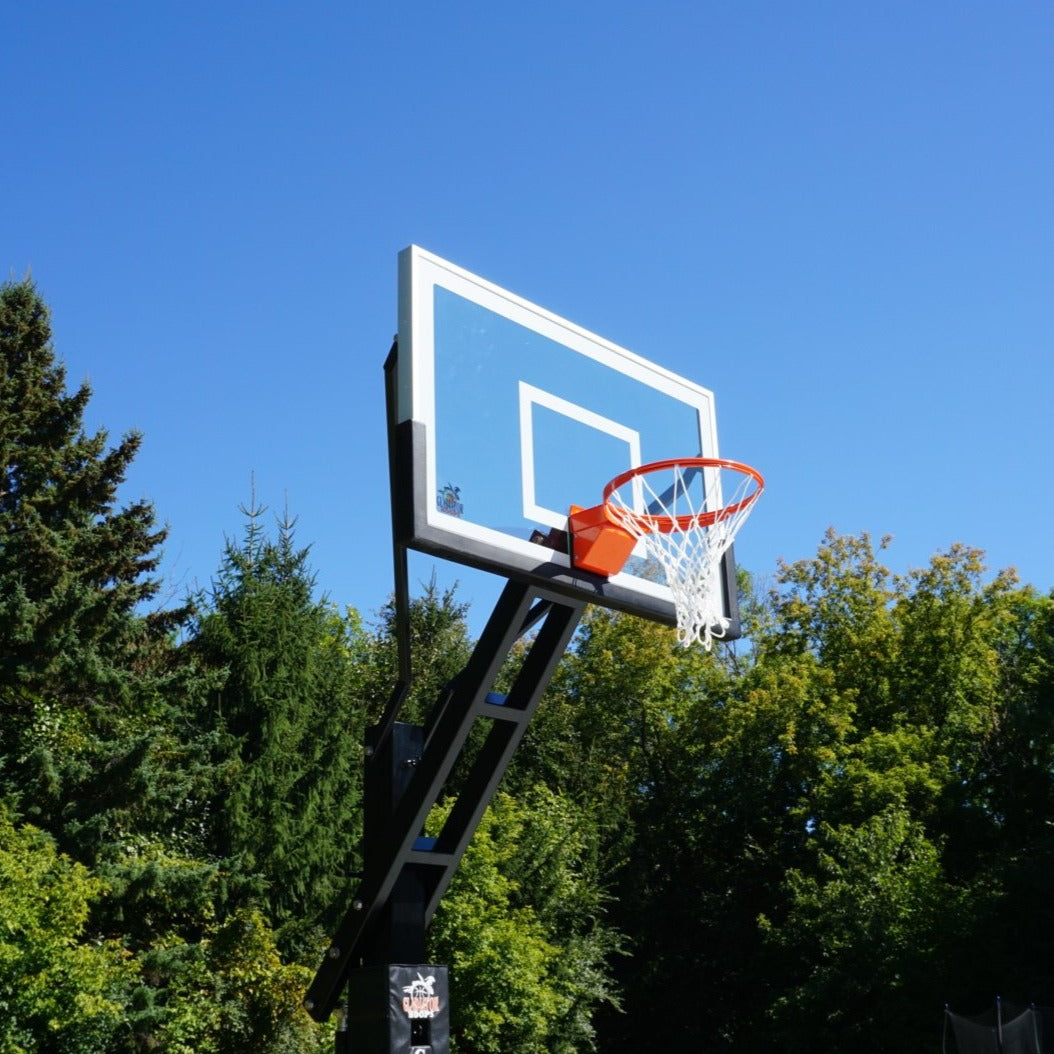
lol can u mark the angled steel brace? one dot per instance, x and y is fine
(406, 874)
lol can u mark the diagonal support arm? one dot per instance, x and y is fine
(401, 865)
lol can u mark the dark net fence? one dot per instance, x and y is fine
(1007, 1029)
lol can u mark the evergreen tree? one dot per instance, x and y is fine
(289, 713)
(73, 566)
(102, 744)
(86, 679)
(439, 649)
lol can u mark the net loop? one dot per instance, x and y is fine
(677, 509)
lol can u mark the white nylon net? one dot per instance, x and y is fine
(669, 511)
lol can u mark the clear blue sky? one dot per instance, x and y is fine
(838, 216)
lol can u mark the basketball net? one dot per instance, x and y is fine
(684, 537)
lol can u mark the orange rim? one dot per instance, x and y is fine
(667, 524)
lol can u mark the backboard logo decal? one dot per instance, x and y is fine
(448, 500)
(420, 999)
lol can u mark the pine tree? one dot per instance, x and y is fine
(82, 672)
(100, 748)
(288, 796)
(73, 566)
(440, 648)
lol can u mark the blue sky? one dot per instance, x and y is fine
(837, 216)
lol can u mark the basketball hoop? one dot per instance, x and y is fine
(669, 507)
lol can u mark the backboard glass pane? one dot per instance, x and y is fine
(520, 414)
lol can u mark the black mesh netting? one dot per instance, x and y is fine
(1007, 1029)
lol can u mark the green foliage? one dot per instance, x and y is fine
(614, 702)
(73, 567)
(819, 831)
(809, 841)
(521, 930)
(90, 749)
(59, 990)
(228, 993)
(289, 726)
(859, 937)
(439, 648)
(102, 744)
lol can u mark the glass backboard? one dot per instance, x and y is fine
(504, 415)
